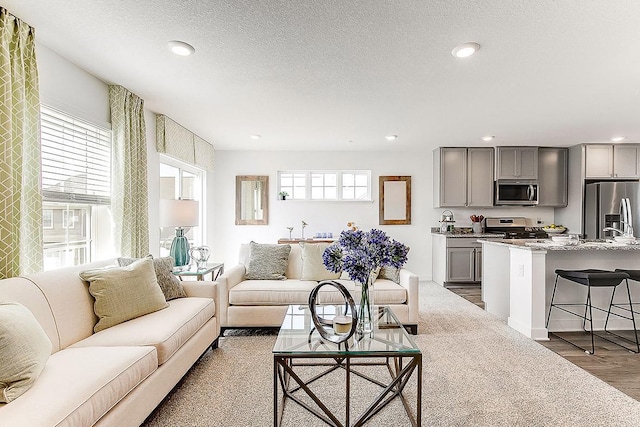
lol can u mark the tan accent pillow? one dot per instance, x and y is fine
(169, 283)
(390, 273)
(267, 261)
(124, 293)
(312, 265)
(24, 350)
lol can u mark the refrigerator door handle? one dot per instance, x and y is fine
(629, 227)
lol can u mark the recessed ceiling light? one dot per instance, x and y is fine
(255, 136)
(181, 48)
(488, 137)
(465, 50)
(618, 138)
(391, 137)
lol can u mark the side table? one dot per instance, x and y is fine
(216, 269)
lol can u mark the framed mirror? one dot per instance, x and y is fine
(394, 200)
(252, 201)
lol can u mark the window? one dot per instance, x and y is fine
(181, 180)
(326, 185)
(76, 189)
(47, 219)
(68, 218)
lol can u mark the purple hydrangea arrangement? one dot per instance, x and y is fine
(359, 253)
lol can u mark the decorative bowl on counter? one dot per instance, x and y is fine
(554, 230)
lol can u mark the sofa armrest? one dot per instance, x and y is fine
(409, 281)
(201, 289)
(226, 281)
(204, 289)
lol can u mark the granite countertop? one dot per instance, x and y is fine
(470, 235)
(549, 245)
(465, 232)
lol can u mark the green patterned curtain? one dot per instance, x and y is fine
(20, 198)
(129, 173)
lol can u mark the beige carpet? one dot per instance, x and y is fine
(477, 371)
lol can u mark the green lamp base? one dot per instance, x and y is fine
(180, 248)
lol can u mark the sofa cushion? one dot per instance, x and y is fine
(24, 350)
(312, 264)
(124, 293)
(79, 385)
(166, 329)
(271, 292)
(385, 292)
(168, 282)
(285, 292)
(267, 261)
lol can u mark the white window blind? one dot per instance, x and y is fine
(76, 159)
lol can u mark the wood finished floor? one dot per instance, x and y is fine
(611, 363)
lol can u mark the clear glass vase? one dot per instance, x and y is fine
(365, 307)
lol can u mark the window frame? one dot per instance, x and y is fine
(62, 133)
(339, 187)
(198, 238)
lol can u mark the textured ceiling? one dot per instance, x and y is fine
(340, 75)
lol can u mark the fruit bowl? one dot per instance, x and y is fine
(555, 230)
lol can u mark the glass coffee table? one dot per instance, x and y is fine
(299, 349)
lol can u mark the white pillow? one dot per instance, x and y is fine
(312, 265)
(24, 350)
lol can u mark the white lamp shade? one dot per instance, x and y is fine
(179, 213)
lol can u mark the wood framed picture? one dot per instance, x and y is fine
(394, 200)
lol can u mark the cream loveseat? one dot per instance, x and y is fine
(115, 377)
(263, 303)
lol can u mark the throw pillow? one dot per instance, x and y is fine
(267, 262)
(390, 273)
(124, 293)
(24, 350)
(169, 283)
(312, 265)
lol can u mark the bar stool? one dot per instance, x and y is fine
(600, 279)
(635, 276)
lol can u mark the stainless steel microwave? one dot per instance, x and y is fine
(521, 193)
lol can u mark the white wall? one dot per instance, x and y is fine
(69, 88)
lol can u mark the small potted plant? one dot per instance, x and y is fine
(283, 195)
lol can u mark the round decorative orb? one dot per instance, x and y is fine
(343, 325)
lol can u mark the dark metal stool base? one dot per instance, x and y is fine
(596, 278)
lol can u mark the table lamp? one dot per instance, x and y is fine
(179, 214)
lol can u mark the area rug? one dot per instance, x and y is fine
(476, 372)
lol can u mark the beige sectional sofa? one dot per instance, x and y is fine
(263, 303)
(115, 377)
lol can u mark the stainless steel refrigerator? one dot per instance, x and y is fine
(611, 204)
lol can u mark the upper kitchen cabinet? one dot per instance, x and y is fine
(517, 163)
(552, 176)
(463, 177)
(612, 161)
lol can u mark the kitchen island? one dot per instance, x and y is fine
(518, 279)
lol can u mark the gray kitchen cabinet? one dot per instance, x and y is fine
(552, 176)
(517, 163)
(464, 260)
(463, 176)
(625, 161)
(460, 265)
(612, 161)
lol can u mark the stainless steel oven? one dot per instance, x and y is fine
(516, 193)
